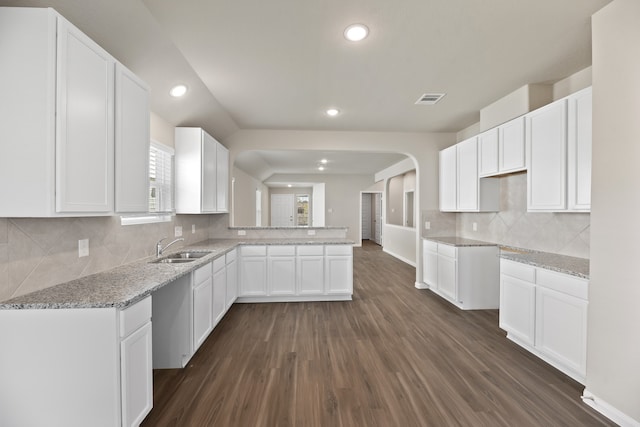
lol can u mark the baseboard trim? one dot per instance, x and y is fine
(420, 285)
(608, 410)
(401, 258)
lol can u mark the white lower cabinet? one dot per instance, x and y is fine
(546, 312)
(202, 305)
(281, 270)
(78, 367)
(339, 269)
(232, 277)
(311, 272)
(136, 370)
(466, 276)
(219, 305)
(253, 271)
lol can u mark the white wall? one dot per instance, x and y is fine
(613, 356)
(244, 199)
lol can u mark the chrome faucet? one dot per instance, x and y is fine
(160, 249)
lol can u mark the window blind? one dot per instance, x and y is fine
(161, 166)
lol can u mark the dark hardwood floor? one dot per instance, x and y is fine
(394, 356)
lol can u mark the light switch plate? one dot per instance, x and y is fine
(193, 229)
(475, 226)
(83, 248)
(311, 232)
(178, 231)
(427, 225)
(242, 233)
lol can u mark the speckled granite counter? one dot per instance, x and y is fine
(561, 263)
(129, 283)
(459, 241)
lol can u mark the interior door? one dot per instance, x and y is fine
(377, 218)
(282, 210)
(366, 217)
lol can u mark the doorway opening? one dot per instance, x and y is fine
(371, 216)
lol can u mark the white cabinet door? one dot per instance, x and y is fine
(561, 328)
(85, 124)
(232, 283)
(222, 178)
(282, 275)
(517, 308)
(136, 370)
(209, 175)
(253, 276)
(219, 306)
(430, 268)
(467, 167)
(131, 142)
(512, 146)
(339, 274)
(488, 152)
(579, 150)
(447, 277)
(202, 312)
(448, 179)
(310, 271)
(546, 131)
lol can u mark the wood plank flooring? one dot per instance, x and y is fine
(394, 356)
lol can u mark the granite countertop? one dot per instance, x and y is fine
(561, 263)
(127, 284)
(459, 241)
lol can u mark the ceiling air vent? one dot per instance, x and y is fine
(430, 98)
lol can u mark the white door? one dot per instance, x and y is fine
(317, 205)
(366, 217)
(377, 218)
(282, 210)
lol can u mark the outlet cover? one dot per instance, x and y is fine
(193, 229)
(83, 248)
(427, 225)
(475, 226)
(311, 232)
(178, 231)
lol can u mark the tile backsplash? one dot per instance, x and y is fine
(561, 233)
(36, 253)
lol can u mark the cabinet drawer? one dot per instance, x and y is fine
(282, 250)
(518, 270)
(430, 245)
(339, 250)
(565, 283)
(135, 316)
(218, 264)
(447, 250)
(231, 256)
(310, 250)
(254, 251)
(201, 274)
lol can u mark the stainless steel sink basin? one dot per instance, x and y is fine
(173, 260)
(188, 255)
(181, 257)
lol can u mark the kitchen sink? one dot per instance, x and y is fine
(181, 257)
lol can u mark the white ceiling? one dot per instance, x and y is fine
(279, 64)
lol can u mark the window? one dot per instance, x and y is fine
(160, 178)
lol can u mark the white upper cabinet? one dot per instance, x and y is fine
(57, 156)
(511, 151)
(579, 150)
(467, 157)
(202, 172)
(448, 180)
(502, 149)
(488, 152)
(461, 190)
(558, 140)
(547, 158)
(132, 142)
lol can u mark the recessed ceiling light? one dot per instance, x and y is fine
(332, 112)
(356, 32)
(324, 161)
(289, 185)
(178, 90)
(320, 168)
